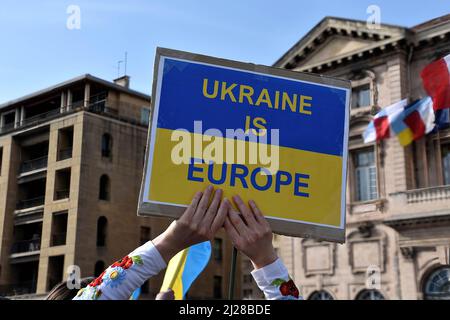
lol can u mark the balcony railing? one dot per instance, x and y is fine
(34, 120)
(62, 194)
(7, 127)
(65, 154)
(26, 246)
(428, 194)
(16, 289)
(29, 203)
(33, 164)
(40, 117)
(58, 239)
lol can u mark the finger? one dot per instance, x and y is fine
(203, 205)
(257, 213)
(193, 206)
(231, 231)
(221, 215)
(246, 212)
(212, 209)
(237, 222)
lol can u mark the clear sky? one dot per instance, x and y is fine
(38, 50)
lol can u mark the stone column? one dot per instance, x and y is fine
(396, 169)
(69, 100)
(22, 115)
(62, 107)
(17, 118)
(87, 94)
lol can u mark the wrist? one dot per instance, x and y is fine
(264, 260)
(166, 247)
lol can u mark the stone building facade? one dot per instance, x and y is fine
(398, 199)
(71, 162)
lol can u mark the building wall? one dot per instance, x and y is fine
(402, 236)
(122, 121)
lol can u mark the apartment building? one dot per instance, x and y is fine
(398, 199)
(71, 161)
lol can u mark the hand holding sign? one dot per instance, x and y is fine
(200, 222)
(250, 233)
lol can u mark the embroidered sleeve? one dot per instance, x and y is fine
(275, 282)
(120, 279)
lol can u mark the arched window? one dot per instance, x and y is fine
(102, 224)
(320, 295)
(371, 294)
(105, 188)
(437, 285)
(106, 145)
(99, 268)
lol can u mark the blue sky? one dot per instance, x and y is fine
(38, 50)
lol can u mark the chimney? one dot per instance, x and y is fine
(123, 81)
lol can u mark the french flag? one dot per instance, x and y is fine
(436, 82)
(408, 122)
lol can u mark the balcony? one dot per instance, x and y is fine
(41, 117)
(30, 203)
(33, 164)
(431, 194)
(26, 246)
(420, 204)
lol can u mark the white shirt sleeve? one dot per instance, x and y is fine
(120, 279)
(275, 282)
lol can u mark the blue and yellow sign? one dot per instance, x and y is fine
(275, 136)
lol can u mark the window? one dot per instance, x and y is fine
(146, 234)
(99, 268)
(437, 286)
(59, 229)
(371, 294)
(361, 96)
(145, 116)
(102, 223)
(105, 188)
(65, 143)
(106, 145)
(247, 293)
(445, 154)
(217, 287)
(62, 184)
(365, 175)
(55, 271)
(247, 278)
(320, 295)
(217, 249)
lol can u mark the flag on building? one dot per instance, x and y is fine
(407, 122)
(185, 267)
(442, 119)
(436, 82)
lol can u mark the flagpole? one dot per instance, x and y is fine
(232, 274)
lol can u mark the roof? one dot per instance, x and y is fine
(328, 22)
(432, 23)
(85, 77)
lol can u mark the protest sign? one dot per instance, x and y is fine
(276, 136)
